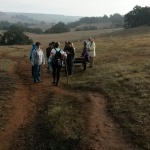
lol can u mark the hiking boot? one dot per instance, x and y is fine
(57, 84)
(53, 82)
(36, 81)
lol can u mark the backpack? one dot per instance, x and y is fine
(57, 59)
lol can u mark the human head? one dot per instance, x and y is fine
(69, 44)
(53, 44)
(57, 44)
(90, 39)
(37, 44)
(50, 45)
(85, 43)
(66, 43)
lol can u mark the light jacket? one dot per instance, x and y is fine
(38, 57)
(33, 48)
(91, 49)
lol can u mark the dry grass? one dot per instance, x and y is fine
(70, 36)
(6, 91)
(122, 73)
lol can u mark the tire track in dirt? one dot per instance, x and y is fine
(101, 133)
(21, 104)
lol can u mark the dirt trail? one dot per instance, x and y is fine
(100, 130)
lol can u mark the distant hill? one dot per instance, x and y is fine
(34, 17)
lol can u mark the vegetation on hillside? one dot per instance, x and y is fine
(58, 28)
(115, 19)
(5, 25)
(86, 28)
(14, 36)
(137, 17)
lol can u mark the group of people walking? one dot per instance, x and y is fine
(55, 57)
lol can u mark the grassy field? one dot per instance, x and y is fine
(45, 39)
(122, 74)
(6, 89)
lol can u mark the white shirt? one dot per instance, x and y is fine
(91, 49)
(53, 52)
(38, 57)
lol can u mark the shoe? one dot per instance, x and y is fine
(40, 80)
(57, 84)
(53, 82)
(36, 81)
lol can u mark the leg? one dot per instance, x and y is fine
(54, 74)
(71, 68)
(33, 71)
(48, 67)
(39, 71)
(58, 74)
(50, 64)
(91, 61)
(84, 65)
(36, 73)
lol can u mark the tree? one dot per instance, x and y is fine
(15, 36)
(137, 17)
(60, 27)
(117, 20)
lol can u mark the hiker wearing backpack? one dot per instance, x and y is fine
(91, 49)
(85, 55)
(49, 62)
(70, 50)
(37, 60)
(57, 55)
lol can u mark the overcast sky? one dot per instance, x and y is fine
(72, 7)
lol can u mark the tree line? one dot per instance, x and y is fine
(15, 32)
(137, 17)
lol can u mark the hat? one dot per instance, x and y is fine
(37, 43)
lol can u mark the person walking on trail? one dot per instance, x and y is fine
(85, 55)
(37, 60)
(70, 58)
(33, 48)
(49, 62)
(91, 49)
(57, 55)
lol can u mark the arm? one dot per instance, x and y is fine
(43, 59)
(32, 58)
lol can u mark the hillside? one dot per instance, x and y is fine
(48, 18)
(106, 107)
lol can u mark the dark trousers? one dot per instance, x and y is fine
(37, 69)
(70, 67)
(56, 73)
(32, 71)
(84, 64)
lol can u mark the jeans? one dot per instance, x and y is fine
(49, 63)
(37, 69)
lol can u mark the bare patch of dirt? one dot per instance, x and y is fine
(101, 133)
